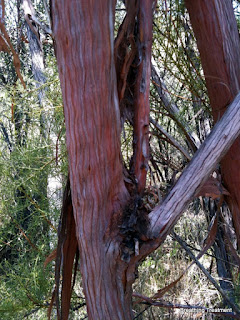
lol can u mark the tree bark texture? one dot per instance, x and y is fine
(132, 54)
(84, 44)
(215, 28)
(141, 96)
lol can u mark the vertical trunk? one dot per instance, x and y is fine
(36, 52)
(141, 103)
(133, 66)
(84, 47)
(215, 28)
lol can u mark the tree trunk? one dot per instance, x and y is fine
(84, 47)
(215, 28)
(141, 94)
(37, 59)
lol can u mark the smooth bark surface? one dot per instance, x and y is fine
(215, 28)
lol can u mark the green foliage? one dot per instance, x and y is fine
(24, 286)
(29, 211)
(28, 218)
(33, 168)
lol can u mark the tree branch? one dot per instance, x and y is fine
(164, 216)
(30, 15)
(172, 108)
(171, 139)
(141, 92)
(6, 137)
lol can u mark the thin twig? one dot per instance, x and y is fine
(6, 137)
(174, 142)
(207, 274)
(212, 255)
(35, 310)
(140, 313)
(31, 312)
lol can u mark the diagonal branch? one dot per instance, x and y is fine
(174, 142)
(6, 40)
(172, 108)
(164, 216)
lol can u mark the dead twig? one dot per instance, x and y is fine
(207, 274)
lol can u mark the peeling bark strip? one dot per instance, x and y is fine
(132, 53)
(215, 28)
(65, 253)
(141, 94)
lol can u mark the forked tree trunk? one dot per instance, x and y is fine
(215, 28)
(84, 45)
(83, 31)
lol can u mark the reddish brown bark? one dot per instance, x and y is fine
(141, 103)
(215, 28)
(125, 51)
(84, 43)
(133, 66)
(64, 256)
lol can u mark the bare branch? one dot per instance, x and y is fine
(172, 108)
(5, 41)
(164, 216)
(31, 17)
(6, 136)
(44, 27)
(207, 274)
(170, 138)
